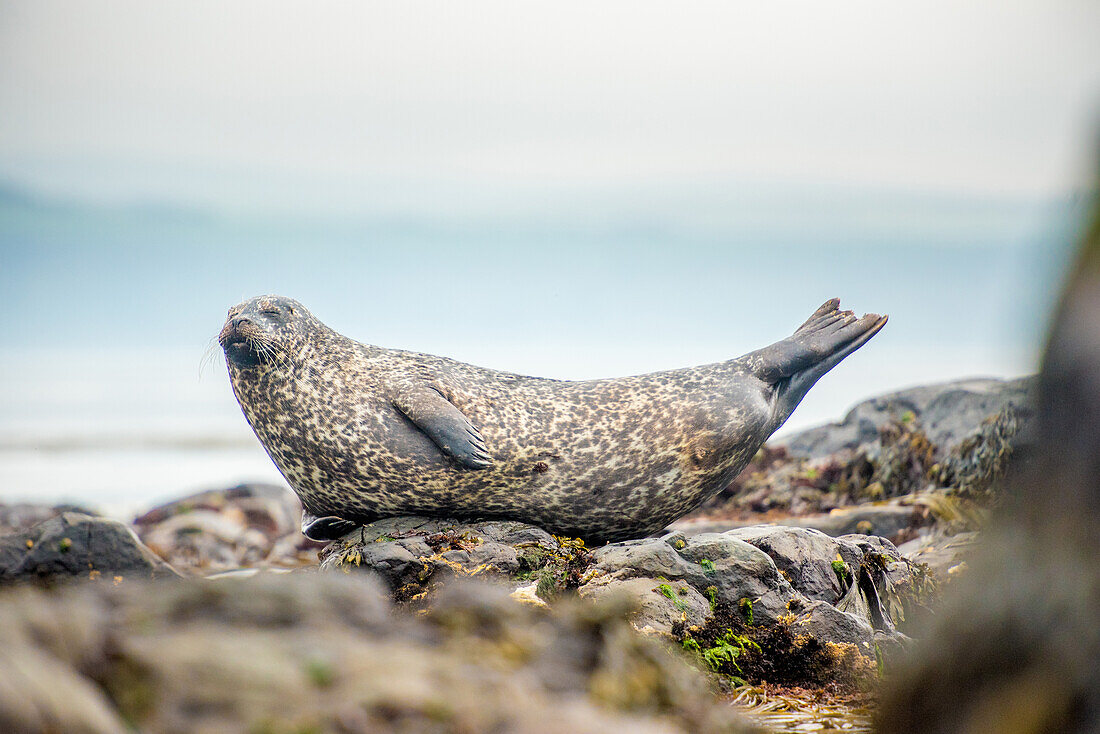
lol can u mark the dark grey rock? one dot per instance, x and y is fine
(735, 569)
(658, 604)
(806, 558)
(412, 551)
(948, 413)
(826, 623)
(20, 516)
(73, 545)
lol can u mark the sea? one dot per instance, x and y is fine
(114, 396)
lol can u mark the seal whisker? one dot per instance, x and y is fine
(207, 357)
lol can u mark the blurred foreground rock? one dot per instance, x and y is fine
(1016, 648)
(309, 652)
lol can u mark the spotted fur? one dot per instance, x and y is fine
(597, 459)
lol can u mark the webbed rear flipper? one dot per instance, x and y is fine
(796, 363)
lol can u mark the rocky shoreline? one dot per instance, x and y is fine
(808, 572)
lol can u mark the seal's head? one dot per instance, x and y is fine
(263, 330)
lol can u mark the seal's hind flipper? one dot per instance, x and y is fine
(444, 424)
(827, 337)
(794, 364)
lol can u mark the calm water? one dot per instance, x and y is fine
(103, 399)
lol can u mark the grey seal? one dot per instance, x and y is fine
(362, 432)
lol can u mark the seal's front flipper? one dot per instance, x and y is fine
(326, 528)
(444, 424)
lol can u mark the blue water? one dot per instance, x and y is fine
(112, 307)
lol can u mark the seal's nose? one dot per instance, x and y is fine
(239, 321)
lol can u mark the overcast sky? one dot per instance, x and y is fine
(216, 101)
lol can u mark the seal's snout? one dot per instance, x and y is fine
(238, 338)
(234, 331)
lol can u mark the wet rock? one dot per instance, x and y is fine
(324, 652)
(414, 555)
(73, 545)
(895, 521)
(944, 556)
(721, 567)
(657, 606)
(219, 530)
(948, 413)
(824, 622)
(814, 563)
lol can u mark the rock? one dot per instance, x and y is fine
(944, 556)
(1015, 645)
(22, 516)
(731, 567)
(325, 652)
(220, 530)
(894, 520)
(890, 521)
(948, 413)
(789, 599)
(891, 451)
(672, 580)
(73, 545)
(207, 541)
(268, 507)
(826, 623)
(413, 555)
(813, 562)
(658, 605)
(893, 648)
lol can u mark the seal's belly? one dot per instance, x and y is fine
(565, 464)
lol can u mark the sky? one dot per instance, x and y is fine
(415, 106)
(576, 190)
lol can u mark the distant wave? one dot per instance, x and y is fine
(123, 442)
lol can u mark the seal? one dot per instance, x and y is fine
(362, 432)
